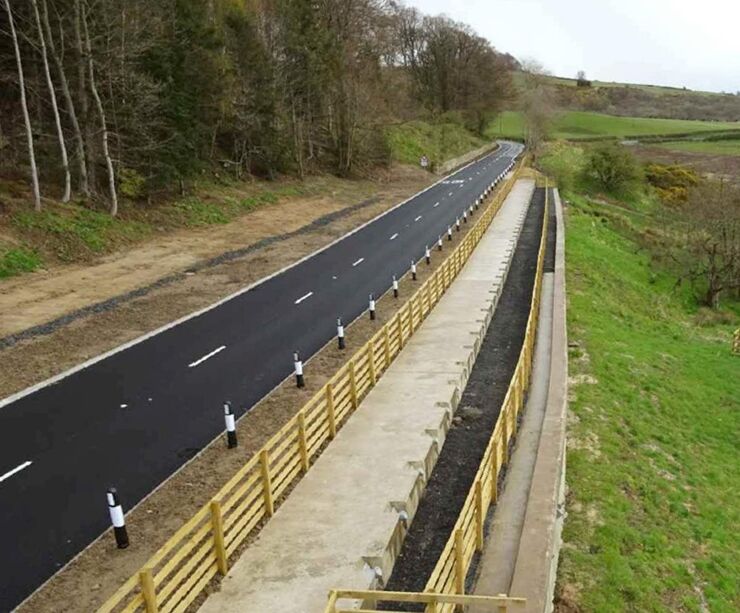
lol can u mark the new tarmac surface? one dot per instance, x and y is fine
(134, 417)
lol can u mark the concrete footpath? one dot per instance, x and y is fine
(344, 523)
(521, 550)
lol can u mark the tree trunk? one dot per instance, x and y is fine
(26, 117)
(79, 142)
(101, 114)
(83, 99)
(54, 106)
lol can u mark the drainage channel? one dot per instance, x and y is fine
(475, 418)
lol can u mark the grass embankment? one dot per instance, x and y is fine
(576, 125)
(653, 506)
(708, 147)
(438, 141)
(74, 232)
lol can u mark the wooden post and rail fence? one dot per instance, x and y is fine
(177, 574)
(445, 589)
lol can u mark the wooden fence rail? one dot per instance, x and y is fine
(448, 576)
(202, 548)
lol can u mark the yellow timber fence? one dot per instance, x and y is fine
(445, 588)
(202, 548)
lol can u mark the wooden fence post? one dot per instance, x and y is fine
(267, 483)
(459, 563)
(147, 590)
(478, 516)
(302, 442)
(353, 383)
(387, 344)
(330, 407)
(400, 330)
(219, 547)
(494, 468)
(371, 361)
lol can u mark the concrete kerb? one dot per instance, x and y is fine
(539, 547)
(311, 544)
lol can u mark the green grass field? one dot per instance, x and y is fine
(718, 147)
(439, 141)
(584, 125)
(653, 507)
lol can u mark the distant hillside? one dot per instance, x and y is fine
(625, 99)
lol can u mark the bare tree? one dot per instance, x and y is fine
(24, 106)
(54, 106)
(536, 106)
(69, 102)
(706, 248)
(101, 115)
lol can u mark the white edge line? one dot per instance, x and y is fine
(17, 469)
(63, 375)
(287, 377)
(206, 357)
(358, 262)
(302, 298)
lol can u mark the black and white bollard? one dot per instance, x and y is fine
(298, 364)
(413, 271)
(231, 441)
(477, 203)
(471, 210)
(371, 307)
(427, 255)
(340, 333)
(439, 244)
(465, 217)
(395, 287)
(449, 233)
(457, 223)
(116, 517)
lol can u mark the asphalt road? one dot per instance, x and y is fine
(134, 417)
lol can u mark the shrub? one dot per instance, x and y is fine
(612, 166)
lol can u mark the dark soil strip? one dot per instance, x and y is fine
(552, 233)
(229, 256)
(476, 417)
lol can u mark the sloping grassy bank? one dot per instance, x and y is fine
(584, 125)
(439, 141)
(654, 422)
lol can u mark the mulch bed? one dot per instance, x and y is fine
(476, 417)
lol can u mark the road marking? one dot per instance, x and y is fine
(436, 204)
(206, 357)
(302, 298)
(450, 194)
(17, 469)
(418, 218)
(395, 236)
(360, 261)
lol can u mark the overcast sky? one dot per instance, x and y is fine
(665, 42)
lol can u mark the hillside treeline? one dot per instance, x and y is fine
(130, 97)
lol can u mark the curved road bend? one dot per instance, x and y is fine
(134, 417)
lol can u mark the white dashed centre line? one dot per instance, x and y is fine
(394, 237)
(206, 357)
(418, 218)
(17, 469)
(360, 261)
(302, 298)
(436, 204)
